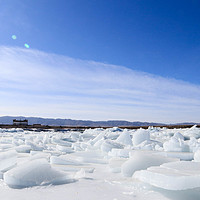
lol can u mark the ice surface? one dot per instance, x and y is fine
(34, 173)
(142, 160)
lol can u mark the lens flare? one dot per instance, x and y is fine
(26, 45)
(14, 37)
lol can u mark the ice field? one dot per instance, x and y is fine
(102, 164)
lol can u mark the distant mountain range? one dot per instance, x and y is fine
(70, 122)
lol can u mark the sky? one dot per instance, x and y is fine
(132, 60)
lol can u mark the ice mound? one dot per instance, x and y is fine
(125, 138)
(192, 132)
(140, 136)
(34, 173)
(180, 175)
(175, 144)
(142, 160)
(8, 159)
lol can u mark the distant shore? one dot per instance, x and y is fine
(44, 127)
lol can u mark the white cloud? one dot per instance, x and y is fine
(41, 84)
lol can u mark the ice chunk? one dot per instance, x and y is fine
(39, 155)
(23, 149)
(180, 175)
(34, 147)
(61, 160)
(115, 129)
(61, 142)
(142, 160)
(119, 153)
(33, 173)
(180, 155)
(175, 144)
(178, 136)
(108, 145)
(125, 138)
(192, 132)
(115, 164)
(148, 145)
(8, 159)
(197, 156)
(74, 135)
(90, 157)
(80, 174)
(1, 175)
(64, 149)
(99, 143)
(97, 138)
(140, 135)
(194, 144)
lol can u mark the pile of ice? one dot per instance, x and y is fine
(34, 173)
(165, 158)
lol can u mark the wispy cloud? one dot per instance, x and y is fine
(41, 84)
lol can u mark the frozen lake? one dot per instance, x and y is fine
(102, 164)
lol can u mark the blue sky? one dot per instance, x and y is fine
(132, 60)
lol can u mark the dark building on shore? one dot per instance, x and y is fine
(20, 122)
